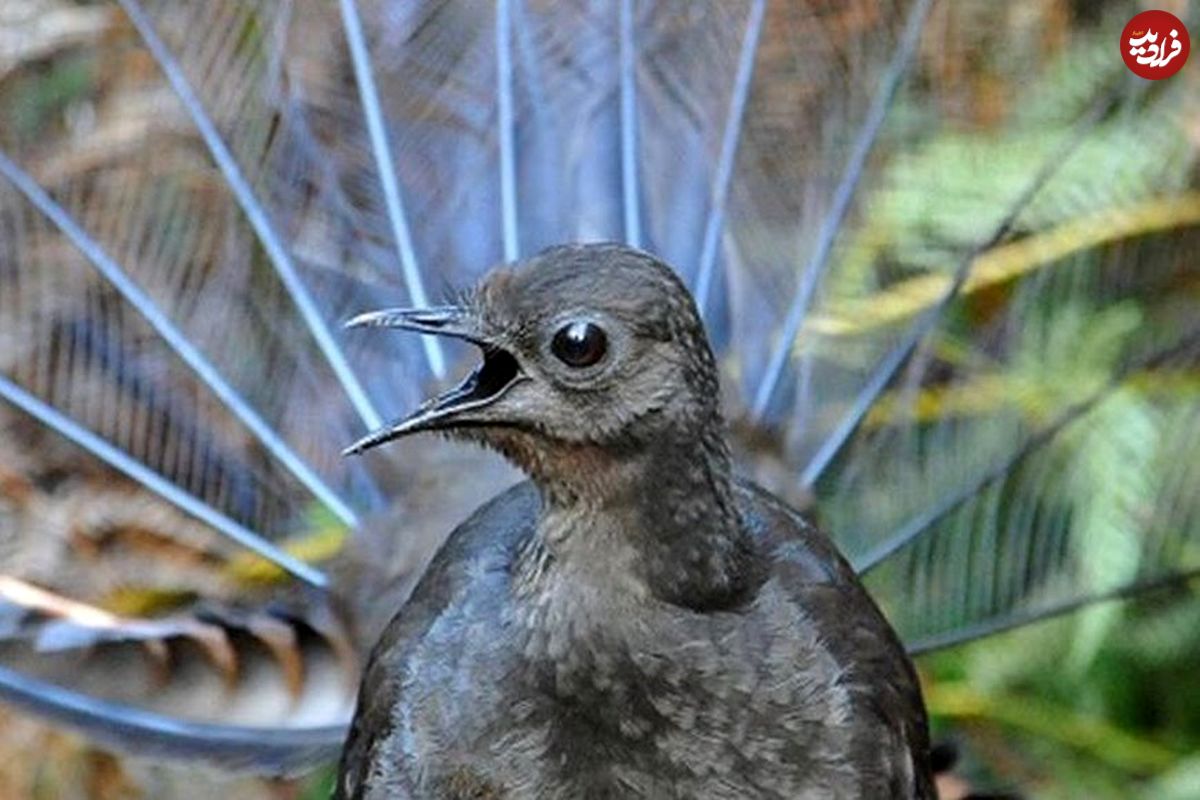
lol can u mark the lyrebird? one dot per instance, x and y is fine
(924, 333)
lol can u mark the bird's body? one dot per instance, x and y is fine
(799, 691)
(636, 622)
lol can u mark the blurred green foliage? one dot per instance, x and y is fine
(1121, 721)
(1104, 703)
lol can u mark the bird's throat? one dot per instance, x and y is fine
(656, 521)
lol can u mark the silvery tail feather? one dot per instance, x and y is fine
(944, 308)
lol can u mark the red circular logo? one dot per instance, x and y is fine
(1155, 45)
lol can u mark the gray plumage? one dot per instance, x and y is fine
(634, 621)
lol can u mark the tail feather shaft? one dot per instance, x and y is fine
(630, 177)
(912, 530)
(882, 375)
(818, 262)
(365, 77)
(506, 121)
(264, 750)
(130, 466)
(714, 224)
(258, 217)
(1040, 613)
(177, 341)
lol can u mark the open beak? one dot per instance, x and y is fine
(466, 405)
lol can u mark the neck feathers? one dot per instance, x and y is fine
(658, 513)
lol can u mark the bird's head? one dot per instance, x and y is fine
(585, 348)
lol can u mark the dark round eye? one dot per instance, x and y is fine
(579, 344)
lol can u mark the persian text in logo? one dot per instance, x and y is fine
(1155, 45)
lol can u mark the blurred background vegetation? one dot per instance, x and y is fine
(1102, 703)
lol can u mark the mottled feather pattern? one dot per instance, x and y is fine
(656, 735)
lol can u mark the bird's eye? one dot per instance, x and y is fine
(579, 344)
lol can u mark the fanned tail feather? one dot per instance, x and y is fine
(268, 750)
